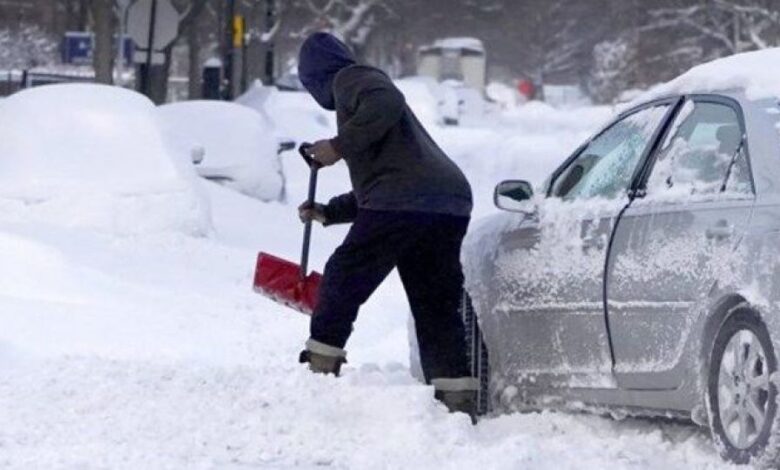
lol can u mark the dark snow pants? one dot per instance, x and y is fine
(425, 247)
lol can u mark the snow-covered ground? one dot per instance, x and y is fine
(148, 349)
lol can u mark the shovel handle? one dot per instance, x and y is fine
(303, 149)
(314, 166)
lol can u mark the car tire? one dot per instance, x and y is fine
(477, 353)
(476, 350)
(741, 397)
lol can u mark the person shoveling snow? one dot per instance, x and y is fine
(410, 208)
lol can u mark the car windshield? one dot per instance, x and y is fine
(605, 167)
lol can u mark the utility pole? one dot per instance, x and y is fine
(230, 12)
(270, 22)
(146, 71)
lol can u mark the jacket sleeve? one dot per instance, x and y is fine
(375, 106)
(341, 209)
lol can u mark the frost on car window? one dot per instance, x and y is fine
(703, 150)
(605, 167)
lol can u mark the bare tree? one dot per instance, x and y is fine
(350, 20)
(159, 74)
(733, 26)
(614, 64)
(26, 47)
(104, 21)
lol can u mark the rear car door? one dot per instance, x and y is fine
(550, 307)
(670, 245)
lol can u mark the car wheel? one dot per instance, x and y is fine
(741, 398)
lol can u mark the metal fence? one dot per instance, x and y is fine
(10, 82)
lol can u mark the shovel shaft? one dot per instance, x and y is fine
(307, 226)
(313, 166)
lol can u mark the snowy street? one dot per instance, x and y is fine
(150, 350)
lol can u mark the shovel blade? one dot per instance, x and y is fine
(281, 281)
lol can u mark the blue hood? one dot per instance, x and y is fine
(322, 56)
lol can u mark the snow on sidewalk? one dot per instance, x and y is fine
(94, 413)
(173, 363)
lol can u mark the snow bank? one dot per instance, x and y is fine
(240, 145)
(93, 156)
(754, 72)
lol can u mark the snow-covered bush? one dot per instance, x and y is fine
(239, 145)
(611, 70)
(26, 47)
(93, 156)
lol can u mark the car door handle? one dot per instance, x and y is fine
(720, 231)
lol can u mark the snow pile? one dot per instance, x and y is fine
(295, 114)
(754, 72)
(503, 94)
(93, 156)
(238, 146)
(430, 101)
(164, 358)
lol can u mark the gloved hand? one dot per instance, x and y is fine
(316, 211)
(323, 152)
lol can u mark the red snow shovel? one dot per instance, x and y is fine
(284, 281)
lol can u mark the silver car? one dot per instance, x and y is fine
(643, 279)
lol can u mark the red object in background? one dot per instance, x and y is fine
(526, 88)
(281, 281)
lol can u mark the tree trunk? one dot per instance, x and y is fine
(83, 15)
(159, 74)
(103, 27)
(194, 68)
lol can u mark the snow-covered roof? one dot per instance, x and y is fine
(213, 62)
(82, 71)
(464, 43)
(756, 73)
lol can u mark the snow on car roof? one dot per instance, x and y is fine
(756, 73)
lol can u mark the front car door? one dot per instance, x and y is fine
(671, 245)
(548, 317)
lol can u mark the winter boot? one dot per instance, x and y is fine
(458, 395)
(323, 359)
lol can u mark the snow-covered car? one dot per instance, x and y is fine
(643, 277)
(229, 143)
(93, 156)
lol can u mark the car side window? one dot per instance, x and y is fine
(605, 167)
(702, 155)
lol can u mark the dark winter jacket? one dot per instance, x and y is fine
(393, 163)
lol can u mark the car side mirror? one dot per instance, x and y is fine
(513, 195)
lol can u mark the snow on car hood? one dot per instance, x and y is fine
(239, 144)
